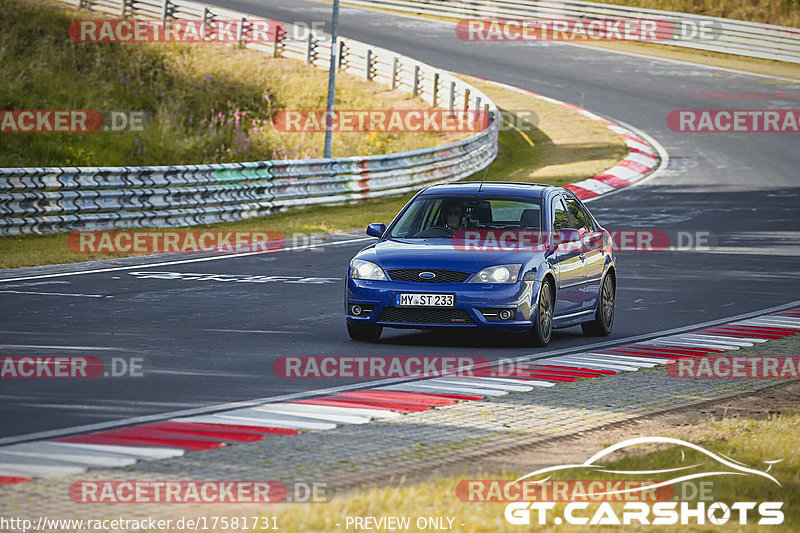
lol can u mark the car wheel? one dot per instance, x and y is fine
(364, 332)
(543, 321)
(604, 316)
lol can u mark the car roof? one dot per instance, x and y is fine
(535, 190)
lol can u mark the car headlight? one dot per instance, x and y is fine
(360, 269)
(497, 274)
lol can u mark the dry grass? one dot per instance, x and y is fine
(780, 12)
(748, 441)
(203, 108)
(564, 147)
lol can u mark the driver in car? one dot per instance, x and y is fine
(453, 215)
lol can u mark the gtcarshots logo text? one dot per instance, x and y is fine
(595, 508)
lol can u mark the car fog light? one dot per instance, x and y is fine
(356, 310)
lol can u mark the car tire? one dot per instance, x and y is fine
(364, 332)
(604, 316)
(542, 328)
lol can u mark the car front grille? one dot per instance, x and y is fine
(442, 276)
(425, 315)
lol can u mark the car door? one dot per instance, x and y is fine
(567, 264)
(591, 248)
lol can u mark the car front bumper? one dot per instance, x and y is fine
(476, 305)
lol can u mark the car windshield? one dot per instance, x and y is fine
(442, 216)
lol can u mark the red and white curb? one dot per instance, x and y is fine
(172, 438)
(641, 161)
(644, 157)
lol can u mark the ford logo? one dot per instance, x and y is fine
(427, 275)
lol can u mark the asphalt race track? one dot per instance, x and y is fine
(211, 341)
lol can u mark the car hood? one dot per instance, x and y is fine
(438, 254)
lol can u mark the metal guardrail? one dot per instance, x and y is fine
(728, 36)
(45, 200)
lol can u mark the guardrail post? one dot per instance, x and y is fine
(466, 99)
(395, 64)
(452, 105)
(435, 99)
(276, 44)
(415, 88)
(368, 68)
(477, 103)
(165, 9)
(310, 49)
(206, 17)
(340, 56)
(240, 32)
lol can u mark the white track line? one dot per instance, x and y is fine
(40, 471)
(670, 341)
(593, 364)
(723, 340)
(443, 388)
(483, 383)
(54, 294)
(623, 357)
(184, 261)
(300, 408)
(78, 459)
(143, 453)
(720, 345)
(723, 335)
(251, 420)
(327, 417)
(766, 322)
(602, 360)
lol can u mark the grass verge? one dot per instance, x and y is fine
(205, 103)
(746, 440)
(564, 147)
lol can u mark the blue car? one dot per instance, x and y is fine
(512, 257)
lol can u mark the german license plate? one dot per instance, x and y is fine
(425, 300)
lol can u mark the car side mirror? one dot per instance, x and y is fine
(562, 236)
(376, 229)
